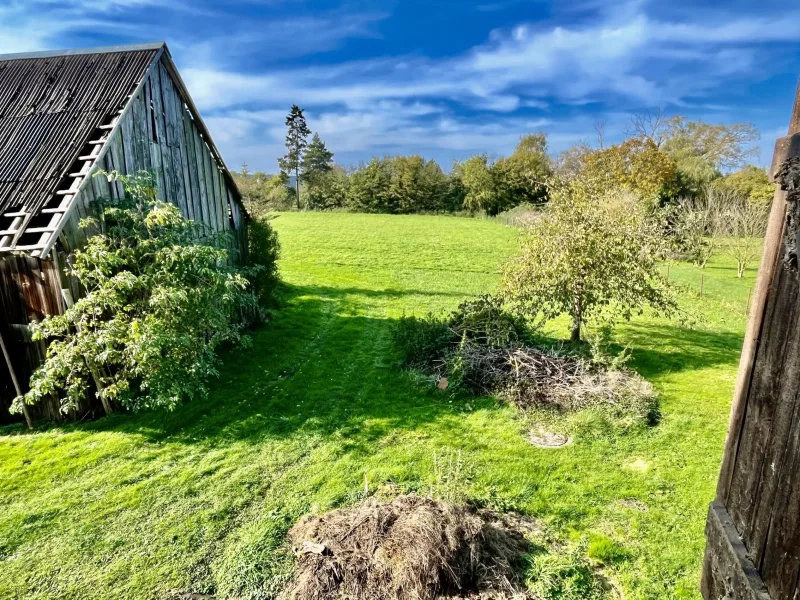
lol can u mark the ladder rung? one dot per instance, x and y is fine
(66, 192)
(33, 247)
(29, 230)
(88, 157)
(14, 214)
(52, 211)
(98, 142)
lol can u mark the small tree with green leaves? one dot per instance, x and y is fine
(162, 294)
(592, 258)
(481, 192)
(296, 143)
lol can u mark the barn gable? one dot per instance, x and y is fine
(66, 115)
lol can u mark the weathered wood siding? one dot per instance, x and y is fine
(29, 291)
(157, 132)
(753, 529)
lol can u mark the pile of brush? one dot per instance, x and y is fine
(530, 377)
(409, 548)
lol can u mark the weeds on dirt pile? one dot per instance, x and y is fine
(485, 350)
(421, 548)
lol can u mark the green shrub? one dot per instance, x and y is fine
(161, 295)
(262, 254)
(485, 322)
(423, 341)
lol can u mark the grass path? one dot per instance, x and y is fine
(199, 499)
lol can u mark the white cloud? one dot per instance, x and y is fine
(520, 79)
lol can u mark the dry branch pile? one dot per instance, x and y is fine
(531, 377)
(410, 548)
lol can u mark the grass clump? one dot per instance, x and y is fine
(257, 564)
(564, 576)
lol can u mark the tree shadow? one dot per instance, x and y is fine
(331, 292)
(320, 368)
(313, 368)
(658, 349)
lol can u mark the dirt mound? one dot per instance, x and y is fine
(409, 548)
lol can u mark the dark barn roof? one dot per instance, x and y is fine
(51, 106)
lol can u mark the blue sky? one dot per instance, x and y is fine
(445, 78)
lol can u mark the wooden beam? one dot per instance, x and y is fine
(728, 571)
(15, 381)
(794, 123)
(785, 148)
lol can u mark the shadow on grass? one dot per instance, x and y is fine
(657, 349)
(315, 369)
(321, 368)
(342, 292)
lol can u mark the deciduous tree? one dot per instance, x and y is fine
(751, 182)
(481, 192)
(589, 257)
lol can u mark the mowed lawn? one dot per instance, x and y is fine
(317, 411)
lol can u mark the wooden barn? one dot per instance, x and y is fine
(63, 117)
(753, 527)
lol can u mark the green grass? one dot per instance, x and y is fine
(133, 506)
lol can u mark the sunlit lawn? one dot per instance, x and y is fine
(134, 506)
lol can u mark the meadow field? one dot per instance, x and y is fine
(316, 413)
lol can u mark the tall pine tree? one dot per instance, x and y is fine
(317, 161)
(296, 143)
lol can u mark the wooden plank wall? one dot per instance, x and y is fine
(159, 133)
(760, 484)
(29, 291)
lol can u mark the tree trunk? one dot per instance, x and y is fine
(740, 269)
(297, 186)
(577, 319)
(575, 333)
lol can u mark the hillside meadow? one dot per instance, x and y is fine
(316, 414)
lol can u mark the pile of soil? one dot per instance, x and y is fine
(409, 548)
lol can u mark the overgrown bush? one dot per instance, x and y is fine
(427, 341)
(485, 321)
(423, 342)
(161, 294)
(262, 258)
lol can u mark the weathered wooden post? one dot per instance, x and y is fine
(14, 380)
(753, 528)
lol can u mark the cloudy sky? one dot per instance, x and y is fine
(445, 78)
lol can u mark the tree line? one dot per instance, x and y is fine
(662, 160)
